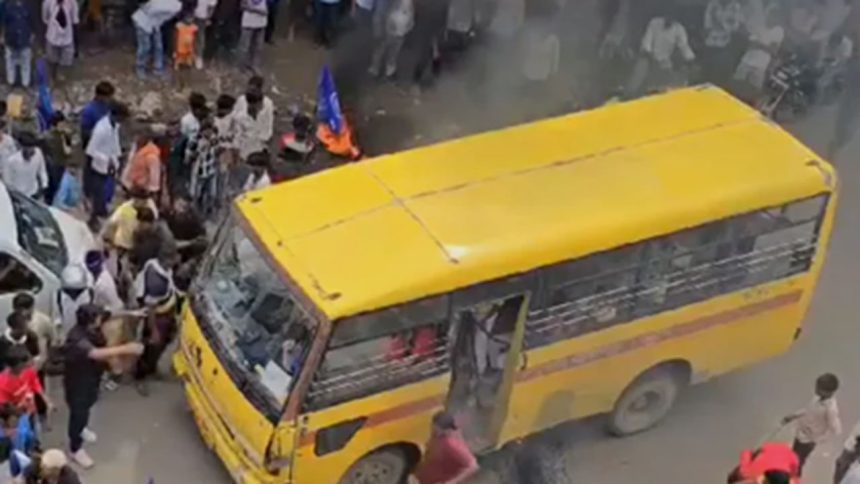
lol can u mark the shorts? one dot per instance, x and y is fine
(63, 55)
(754, 75)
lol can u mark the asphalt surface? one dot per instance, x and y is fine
(155, 437)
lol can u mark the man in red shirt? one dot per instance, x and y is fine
(447, 459)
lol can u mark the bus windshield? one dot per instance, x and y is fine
(261, 326)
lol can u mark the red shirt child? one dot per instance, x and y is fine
(19, 383)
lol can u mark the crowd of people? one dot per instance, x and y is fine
(150, 200)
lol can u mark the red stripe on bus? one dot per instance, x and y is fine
(656, 337)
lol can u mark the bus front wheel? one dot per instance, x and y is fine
(384, 466)
(645, 402)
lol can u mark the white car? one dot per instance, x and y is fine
(36, 243)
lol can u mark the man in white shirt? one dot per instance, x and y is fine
(255, 17)
(203, 18)
(254, 120)
(189, 124)
(104, 150)
(664, 37)
(148, 19)
(25, 170)
(60, 17)
(764, 45)
(105, 292)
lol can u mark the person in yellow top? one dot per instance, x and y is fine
(186, 39)
(118, 233)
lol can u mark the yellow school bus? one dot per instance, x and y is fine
(593, 263)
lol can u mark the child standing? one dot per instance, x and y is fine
(202, 157)
(817, 421)
(184, 55)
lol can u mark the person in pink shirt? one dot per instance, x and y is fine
(447, 458)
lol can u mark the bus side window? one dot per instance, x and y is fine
(379, 351)
(774, 243)
(585, 295)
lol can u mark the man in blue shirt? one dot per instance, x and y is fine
(95, 110)
(18, 28)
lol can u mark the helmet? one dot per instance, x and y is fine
(74, 276)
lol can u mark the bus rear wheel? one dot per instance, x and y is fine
(645, 402)
(385, 466)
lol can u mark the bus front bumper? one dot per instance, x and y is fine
(214, 433)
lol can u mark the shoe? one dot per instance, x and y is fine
(109, 385)
(89, 436)
(142, 389)
(83, 459)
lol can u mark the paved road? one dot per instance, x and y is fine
(155, 437)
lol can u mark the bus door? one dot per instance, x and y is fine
(486, 354)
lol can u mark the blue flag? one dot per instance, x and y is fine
(44, 105)
(328, 104)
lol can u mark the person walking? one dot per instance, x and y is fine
(61, 19)
(18, 35)
(818, 421)
(148, 20)
(447, 458)
(398, 23)
(255, 17)
(25, 171)
(86, 353)
(104, 150)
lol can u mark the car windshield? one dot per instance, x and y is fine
(255, 317)
(38, 232)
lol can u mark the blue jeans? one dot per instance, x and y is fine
(15, 59)
(149, 43)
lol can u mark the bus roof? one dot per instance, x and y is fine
(429, 220)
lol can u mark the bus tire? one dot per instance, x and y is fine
(645, 402)
(384, 466)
